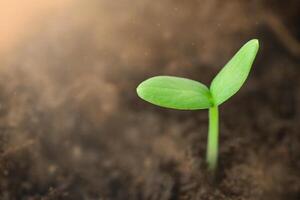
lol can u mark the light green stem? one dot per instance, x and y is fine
(213, 139)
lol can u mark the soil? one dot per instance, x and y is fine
(72, 126)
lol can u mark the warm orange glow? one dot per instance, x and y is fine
(17, 18)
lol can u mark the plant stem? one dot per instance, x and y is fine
(213, 139)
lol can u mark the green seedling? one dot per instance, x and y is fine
(185, 94)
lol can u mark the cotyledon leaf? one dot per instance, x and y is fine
(231, 78)
(174, 92)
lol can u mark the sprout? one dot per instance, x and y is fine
(185, 94)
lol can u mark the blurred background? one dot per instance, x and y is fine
(72, 126)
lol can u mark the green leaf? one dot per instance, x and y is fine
(175, 92)
(231, 78)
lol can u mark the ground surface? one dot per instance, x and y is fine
(72, 126)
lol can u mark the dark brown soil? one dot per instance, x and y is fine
(73, 128)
